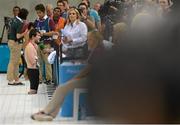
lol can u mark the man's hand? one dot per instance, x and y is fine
(48, 50)
(83, 17)
(26, 31)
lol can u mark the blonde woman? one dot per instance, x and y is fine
(74, 34)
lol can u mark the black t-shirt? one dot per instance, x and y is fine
(15, 27)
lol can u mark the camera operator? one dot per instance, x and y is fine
(15, 40)
(94, 14)
(111, 13)
(16, 11)
(85, 16)
(106, 11)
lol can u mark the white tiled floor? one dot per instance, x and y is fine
(16, 105)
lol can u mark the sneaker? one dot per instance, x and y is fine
(11, 84)
(31, 92)
(19, 83)
(41, 116)
(47, 82)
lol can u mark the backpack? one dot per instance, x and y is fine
(46, 28)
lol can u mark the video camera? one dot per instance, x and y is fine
(107, 10)
(7, 21)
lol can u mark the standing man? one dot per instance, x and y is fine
(59, 21)
(94, 14)
(97, 6)
(46, 27)
(16, 11)
(63, 9)
(15, 40)
(49, 10)
(31, 57)
(67, 6)
(86, 17)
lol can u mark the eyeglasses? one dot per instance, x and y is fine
(72, 13)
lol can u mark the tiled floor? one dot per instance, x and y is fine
(16, 105)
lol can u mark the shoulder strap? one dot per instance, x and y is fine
(48, 23)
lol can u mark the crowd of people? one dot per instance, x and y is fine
(83, 32)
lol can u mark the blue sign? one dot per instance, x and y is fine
(67, 72)
(4, 57)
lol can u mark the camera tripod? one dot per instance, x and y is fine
(5, 27)
(2, 34)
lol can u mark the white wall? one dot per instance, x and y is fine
(7, 5)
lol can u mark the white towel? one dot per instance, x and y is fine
(51, 57)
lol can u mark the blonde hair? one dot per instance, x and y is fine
(77, 13)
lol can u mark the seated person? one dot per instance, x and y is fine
(51, 110)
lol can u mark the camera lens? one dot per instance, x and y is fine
(7, 21)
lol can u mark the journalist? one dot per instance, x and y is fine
(15, 40)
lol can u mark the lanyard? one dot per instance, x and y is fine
(33, 46)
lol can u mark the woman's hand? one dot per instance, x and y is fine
(48, 50)
(67, 40)
(56, 33)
